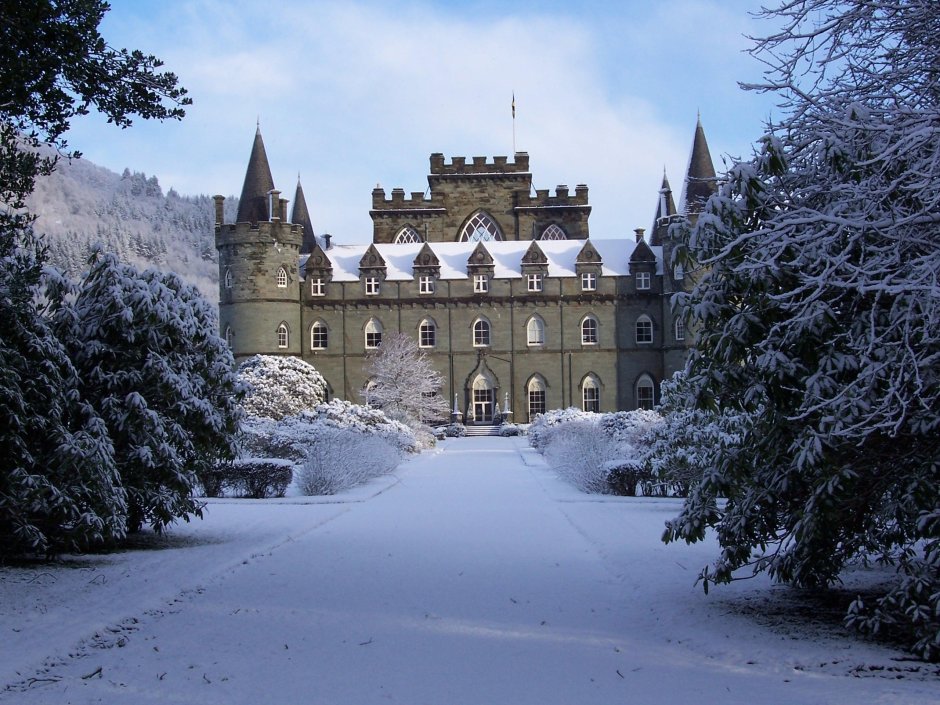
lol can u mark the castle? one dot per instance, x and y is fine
(518, 308)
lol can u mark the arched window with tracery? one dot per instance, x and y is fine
(281, 278)
(645, 392)
(589, 330)
(373, 334)
(554, 232)
(229, 278)
(427, 334)
(535, 393)
(283, 336)
(229, 336)
(319, 336)
(591, 394)
(481, 333)
(535, 331)
(644, 330)
(407, 235)
(480, 228)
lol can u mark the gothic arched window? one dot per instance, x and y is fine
(480, 228)
(373, 333)
(680, 329)
(481, 333)
(589, 331)
(281, 278)
(229, 336)
(319, 336)
(407, 235)
(644, 330)
(283, 336)
(535, 391)
(554, 232)
(645, 392)
(229, 278)
(535, 331)
(427, 334)
(591, 394)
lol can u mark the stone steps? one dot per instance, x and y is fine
(482, 431)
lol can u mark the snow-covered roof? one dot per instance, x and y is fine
(507, 258)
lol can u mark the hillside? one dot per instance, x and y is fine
(82, 204)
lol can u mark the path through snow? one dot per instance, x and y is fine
(477, 577)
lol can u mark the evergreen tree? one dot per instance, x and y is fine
(819, 315)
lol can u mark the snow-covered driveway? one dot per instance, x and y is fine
(477, 577)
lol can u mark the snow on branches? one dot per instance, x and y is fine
(280, 385)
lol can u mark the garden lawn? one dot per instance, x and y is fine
(471, 575)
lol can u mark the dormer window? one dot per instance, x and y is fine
(534, 282)
(281, 278)
(642, 280)
(588, 281)
(425, 284)
(317, 287)
(481, 283)
(373, 286)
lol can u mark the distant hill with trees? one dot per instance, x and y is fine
(82, 204)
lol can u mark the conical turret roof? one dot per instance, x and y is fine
(253, 204)
(665, 208)
(301, 216)
(700, 181)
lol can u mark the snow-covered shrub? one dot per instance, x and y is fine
(341, 457)
(509, 429)
(345, 415)
(258, 478)
(580, 454)
(455, 430)
(152, 365)
(541, 430)
(629, 427)
(280, 385)
(624, 477)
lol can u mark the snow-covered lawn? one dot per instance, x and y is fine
(471, 575)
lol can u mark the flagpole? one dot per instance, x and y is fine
(514, 123)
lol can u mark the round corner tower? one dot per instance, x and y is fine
(259, 288)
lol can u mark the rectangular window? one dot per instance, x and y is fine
(534, 281)
(644, 396)
(317, 288)
(318, 337)
(588, 281)
(680, 329)
(373, 339)
(426, 284)
(642, 280)
(481, 283)
(536, 403)
(592, 399)
(372, 286)
(427, 335)
(644, 330)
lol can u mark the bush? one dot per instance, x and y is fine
(340, 458)
(455, 430)
(255, 478)
(509, 429)
(366, 420)
(280, 386)
(624, 478)
(541, 430)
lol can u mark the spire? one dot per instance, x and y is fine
(301, 216)
(253, 204)
(700, 181)
(665, 208)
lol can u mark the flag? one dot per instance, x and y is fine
(513, 105)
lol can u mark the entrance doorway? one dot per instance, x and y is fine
(483, 405)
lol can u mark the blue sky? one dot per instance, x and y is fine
(351, 94)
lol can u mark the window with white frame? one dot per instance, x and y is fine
(534, 282)
(536, 397)
(589, 331)
(317, 287)
(554, 232)
(644, 330)
(427, 334)
(678, 272)
(229, 336)
(229, 278)
(407, 235)
(645, 393)
(535, 331)
(481, 333)
(319, 336)
(591, 394)
(480, 228)
(642, 280)
(281, 278)
(373, 333)
(283, 336)
(588, 281)
(373, 286)
(481, 283)
(680, 329)
(425, 284)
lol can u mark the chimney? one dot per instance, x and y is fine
(639, 234)
(219, 210)
(326, 241)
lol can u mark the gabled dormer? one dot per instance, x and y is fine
(589, 259)
(534, 268)
(480, 261)
(534, 257)
(318, 271)
(372, 262)
(427, 262)
(642, 265)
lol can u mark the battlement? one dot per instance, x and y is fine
(479, 165)
(266, 232)
(561, 199)
(398, 201)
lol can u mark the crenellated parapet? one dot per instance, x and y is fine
(561, 199)
(459, 166)
(416, 201)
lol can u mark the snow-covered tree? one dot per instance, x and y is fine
(403, 382)
(280, 386)
(153, 367)
(818, 305)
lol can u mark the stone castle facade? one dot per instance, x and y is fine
(518, 308)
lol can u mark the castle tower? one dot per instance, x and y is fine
(301, 216)
(700, 179)
(259, 287)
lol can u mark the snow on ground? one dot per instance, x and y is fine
(471, 576)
